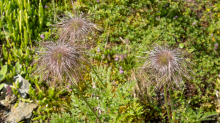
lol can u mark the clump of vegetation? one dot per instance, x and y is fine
(82, 90)
(113, 104)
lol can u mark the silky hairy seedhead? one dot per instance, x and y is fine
(166, 66)
(59, 59)
(75, 27)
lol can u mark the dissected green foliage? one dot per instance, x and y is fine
(128, 29)
(113, 104)
(196, 116)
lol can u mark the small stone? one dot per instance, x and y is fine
(7, 99)
(6, 112)
(22, 112)
(24, 85)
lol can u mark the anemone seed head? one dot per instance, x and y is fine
(166, 66)
(59, 59)
(75, 27)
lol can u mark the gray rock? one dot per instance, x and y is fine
(22, 112)
(9, 100)
(23, 85)
(4, 91)
(6, 112)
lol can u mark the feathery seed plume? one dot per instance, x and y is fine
(166, 66)
(58, 59)
(75, 27)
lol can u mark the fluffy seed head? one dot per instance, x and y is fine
(58, 59)
(75, 27)
(166, 66)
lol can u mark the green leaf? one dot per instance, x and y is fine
(4, 69)
(22, 73)
(2, 77)
(48, 23)
(17, 67)
(191, 50)
(1, 86)
(181, 45)
(6, 32)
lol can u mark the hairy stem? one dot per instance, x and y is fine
(172, 108)
(171, 100)
(166, 104)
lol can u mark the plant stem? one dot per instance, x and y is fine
(172, 108)
(97, 76)
(84, 99)
(65, 5)
(166, 104)
(171, 100)
(55, 16)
